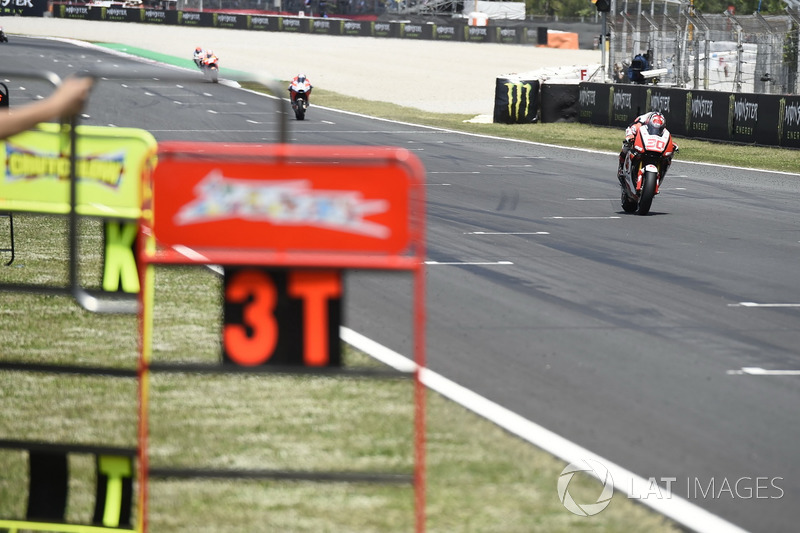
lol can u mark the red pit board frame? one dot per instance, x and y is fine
(281, 205)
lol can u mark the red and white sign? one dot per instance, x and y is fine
(285, 198)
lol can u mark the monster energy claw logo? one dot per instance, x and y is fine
(523, 92)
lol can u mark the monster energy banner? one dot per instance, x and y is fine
(708, 115)
(593, 103)
(625, 103)
(671, 104)
(789, 121)
(516, 101)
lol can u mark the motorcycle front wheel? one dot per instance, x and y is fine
(300, 108)
(647, 194)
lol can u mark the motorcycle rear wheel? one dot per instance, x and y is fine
(647, 194)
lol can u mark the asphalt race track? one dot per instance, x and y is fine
(635, 337)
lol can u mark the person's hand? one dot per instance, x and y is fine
(70, 97)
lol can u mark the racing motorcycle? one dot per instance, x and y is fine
(210, 68)
(3, 38)
(300, 89)
(644, 167)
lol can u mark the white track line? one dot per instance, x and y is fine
(678, 509)
(507, 233)
(436, 263)
(757, 371)
(754, 304)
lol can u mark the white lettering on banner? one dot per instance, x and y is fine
(445, 30)
(744, 110)
(508, 32)
(413, 28)
(350, 26)
(792, 115)
(622, 100)
(587, 97)
(155, 14)
(226, 18)
(291, 22)
(382, 27)
(191, 16)
(322, 24)
(111, 12)
(17, 3)
(702, 107)
(477, 31)
(660, 103)
(72, 10)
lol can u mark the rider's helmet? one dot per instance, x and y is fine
(656, 123)
(198, 50)
(301, 78)
(210, 53)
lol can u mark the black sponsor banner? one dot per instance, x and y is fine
(508, 35)
(326, 26)
(516, 101)
(477, 34)
(230, 20)
(593, 103)
(416, 31)
(768, 128)
(385, 29)
(707, 114)
(447, 32)
(559, 102)
(294, 24)
(362, 28)
(788, 127)
(262, 23)
(530, 36)
(115, 14)
(152, 16)
(23, 8)
(194, 18)
(672, 104)
(743, 117)
(625, 103)
(73, 12)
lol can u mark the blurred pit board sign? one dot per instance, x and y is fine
(109, 166)
(287, 205)
(284, 221)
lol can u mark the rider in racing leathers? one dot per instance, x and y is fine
(300, 82)
(656, 121)
(199, 56)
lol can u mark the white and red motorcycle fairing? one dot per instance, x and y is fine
(644, 168)
(298, 92)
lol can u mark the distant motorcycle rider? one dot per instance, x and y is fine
(656, 124)
(300, 82)
(199, 56)
(210, 58)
